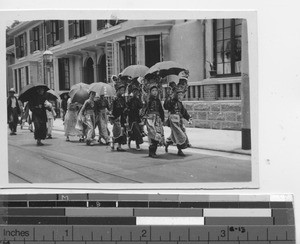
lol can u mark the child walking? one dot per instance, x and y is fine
(102, 106)
(51, 115)
(119, 118)
(134, 106)
(154, 120)
(177, 114)
(87, 115)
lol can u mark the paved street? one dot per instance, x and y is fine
(59, 161)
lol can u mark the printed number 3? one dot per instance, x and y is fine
(144, 233)
(223, 233)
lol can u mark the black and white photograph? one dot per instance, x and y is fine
(125, 100)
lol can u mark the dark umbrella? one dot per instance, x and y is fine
(164, 69)
(52, 95)
(30, 90)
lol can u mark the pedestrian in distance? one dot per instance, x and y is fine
(64, 106)
(71, 120)
(38, 105)
(118, 118)
(134, 106)
(154, 115)
(87, 115)
(102, 106)
(28, 116)
(13, 111)
(177, 113)
(51, 115)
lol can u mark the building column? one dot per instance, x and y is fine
(56, 74)
(245, 96)
(140, 50)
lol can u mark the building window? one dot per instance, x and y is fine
(54, 32)
(152, 50)
(227, 46)
(16, 80)
(101, 24)
(27, 75)
(36, 38)
(20, 79)
(79, 28)
(21, 45)
(64, 74)
(127, 52)
(104, 24)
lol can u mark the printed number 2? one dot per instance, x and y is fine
(223, 233)
(144, 233)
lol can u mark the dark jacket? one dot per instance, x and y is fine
(134, 106)
(9, 108)
(174, 106)
(119, 108)
(154, 107)
(37, 106)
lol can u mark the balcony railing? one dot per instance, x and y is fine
(210, 89)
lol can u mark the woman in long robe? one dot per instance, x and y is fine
(38, 105)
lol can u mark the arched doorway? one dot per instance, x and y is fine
(102, 69)
(89, 71)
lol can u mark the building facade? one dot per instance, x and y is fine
(93, 50)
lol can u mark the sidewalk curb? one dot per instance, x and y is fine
(202, 148)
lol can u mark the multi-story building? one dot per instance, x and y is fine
(93, 50)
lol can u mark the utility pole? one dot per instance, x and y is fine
(245, 94)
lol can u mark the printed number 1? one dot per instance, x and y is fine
(223, 233)
(67, 232)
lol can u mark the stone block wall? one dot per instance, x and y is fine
(220, 115)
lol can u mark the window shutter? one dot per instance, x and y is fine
(71, 29)
(100, 24)
(61, 31)
(17, 44)
(41, 38)
(48, 34)
(87, 27)
(25, 44)
(31, 37)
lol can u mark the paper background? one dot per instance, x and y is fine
(278, 83)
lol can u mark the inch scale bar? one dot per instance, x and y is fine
(146, 219)
(120, 234)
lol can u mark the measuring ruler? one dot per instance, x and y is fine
(143, 219)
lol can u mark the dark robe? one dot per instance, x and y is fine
(134, 106)
(39, 116)
(119, 114)
(12, 114)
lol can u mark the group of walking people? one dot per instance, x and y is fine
(128, 117)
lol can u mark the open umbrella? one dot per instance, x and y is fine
(76, 87)
(79, 95)
(134, 71)
(52, 95)
(79, 92)
(63, 93)
(79, 86)
(164, 69)
(30, 90)
(103, 89)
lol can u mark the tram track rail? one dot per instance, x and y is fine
(70, 166)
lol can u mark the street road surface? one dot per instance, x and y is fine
(59, 161)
